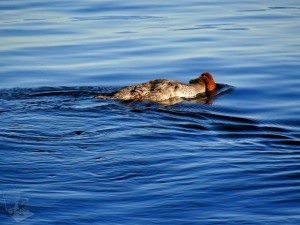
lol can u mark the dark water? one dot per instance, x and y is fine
(72, 159)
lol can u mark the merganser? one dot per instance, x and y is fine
(161, 90)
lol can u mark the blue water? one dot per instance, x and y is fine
(74, 159)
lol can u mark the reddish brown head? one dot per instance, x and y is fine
(209, 81)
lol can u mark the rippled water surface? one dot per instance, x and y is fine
(68, 158)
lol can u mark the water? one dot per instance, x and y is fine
(73, 159)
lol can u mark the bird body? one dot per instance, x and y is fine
(161, 90)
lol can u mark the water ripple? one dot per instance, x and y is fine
(232, 158)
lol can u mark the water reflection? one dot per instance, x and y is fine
(228, 158)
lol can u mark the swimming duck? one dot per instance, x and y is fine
(161, 90)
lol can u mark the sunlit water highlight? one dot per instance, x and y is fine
(80, 160)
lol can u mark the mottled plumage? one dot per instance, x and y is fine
(161, 90)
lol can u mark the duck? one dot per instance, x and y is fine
(161, 90)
